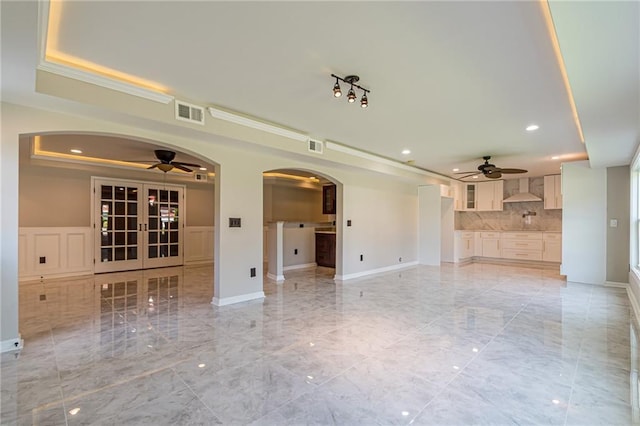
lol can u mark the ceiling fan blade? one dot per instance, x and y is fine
(464, 173)
(512, 171)
(153, 166)
(176, 163)
(494, 175)
(178, 166)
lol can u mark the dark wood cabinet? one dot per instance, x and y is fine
(329, 199)
(326, 249)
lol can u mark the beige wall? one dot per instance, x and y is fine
(618, 180)
(290, 203)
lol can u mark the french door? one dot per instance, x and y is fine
(137, 225)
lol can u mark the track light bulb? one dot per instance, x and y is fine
(336, 90)
(364, 102)
(351, 96)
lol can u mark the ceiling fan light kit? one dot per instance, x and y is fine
(351, 80)
(166, 163)
(490, 171)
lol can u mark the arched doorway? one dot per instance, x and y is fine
(91, 203)
(301, 218)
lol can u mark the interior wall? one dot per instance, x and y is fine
(618, 208)
(584, 247)
(293, 204)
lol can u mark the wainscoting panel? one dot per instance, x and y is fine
(54, 252)
(199, 243)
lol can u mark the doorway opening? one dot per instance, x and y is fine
(301, 211)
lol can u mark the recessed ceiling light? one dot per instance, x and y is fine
(475, 177)
(456, 170)
(74, 411)
(555, 157)
(76, 151)
(406, 151)
(532, 127)
(204, 169)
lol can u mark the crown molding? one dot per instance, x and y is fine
(372, 157)
(85, 76)
(255, 124)
(109, 83)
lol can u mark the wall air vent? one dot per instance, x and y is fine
(200, 177)
(316, 146)
(189, 112)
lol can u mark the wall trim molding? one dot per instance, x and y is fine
(634, 280)
(376, 271)
(12, 344)
(300, 266)
(616, 284)
(237, 299)
(255, 124)
(276, 278)
(99, 80)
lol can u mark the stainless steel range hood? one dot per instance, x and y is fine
(524, 195)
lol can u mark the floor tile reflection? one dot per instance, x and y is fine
(474, 344)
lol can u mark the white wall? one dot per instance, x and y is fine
(302, 239)
(618, 206)
(584, 233)
(447, 230)
(430, 225)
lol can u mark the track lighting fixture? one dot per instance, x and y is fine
(351, 80)
(336, 89)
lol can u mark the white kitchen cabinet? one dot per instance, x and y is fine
(469, 196)
(458, 196)
(522, 245)
(553, 192)
(464, 245)
(490, 244)
(489, 195)
(552, 247)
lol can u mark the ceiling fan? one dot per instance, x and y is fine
(490, 171)
(166, 162)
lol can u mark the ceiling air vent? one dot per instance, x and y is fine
(189, 112)
(315, 146)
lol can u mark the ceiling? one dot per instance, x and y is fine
(450, 81)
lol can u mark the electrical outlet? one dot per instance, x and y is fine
(400, 259)
(43, 259)
(361, 257)
(253, 272)
(295, 251)
(349, 222)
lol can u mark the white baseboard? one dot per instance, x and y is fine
(300, 266)
(276, 278)
(237, 299)
(375, 271)
(11, 344)
(616, 284)
(634, 280)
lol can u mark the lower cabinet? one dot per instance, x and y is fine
(326, 249)
(490, 243)
(552, 247)
(464, 245)
(536, 246)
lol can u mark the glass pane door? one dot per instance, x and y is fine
(164, 232)
(137, 225)
(117, 226)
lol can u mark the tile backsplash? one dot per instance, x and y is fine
(511, 218)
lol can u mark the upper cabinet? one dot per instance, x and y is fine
(481, 196)
(553, 192)
(489, 195)
(329, 199)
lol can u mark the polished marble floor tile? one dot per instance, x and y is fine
(449, 345)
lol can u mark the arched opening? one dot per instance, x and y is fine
(93, 203)
(301, 220)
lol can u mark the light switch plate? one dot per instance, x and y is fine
(613, 223)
